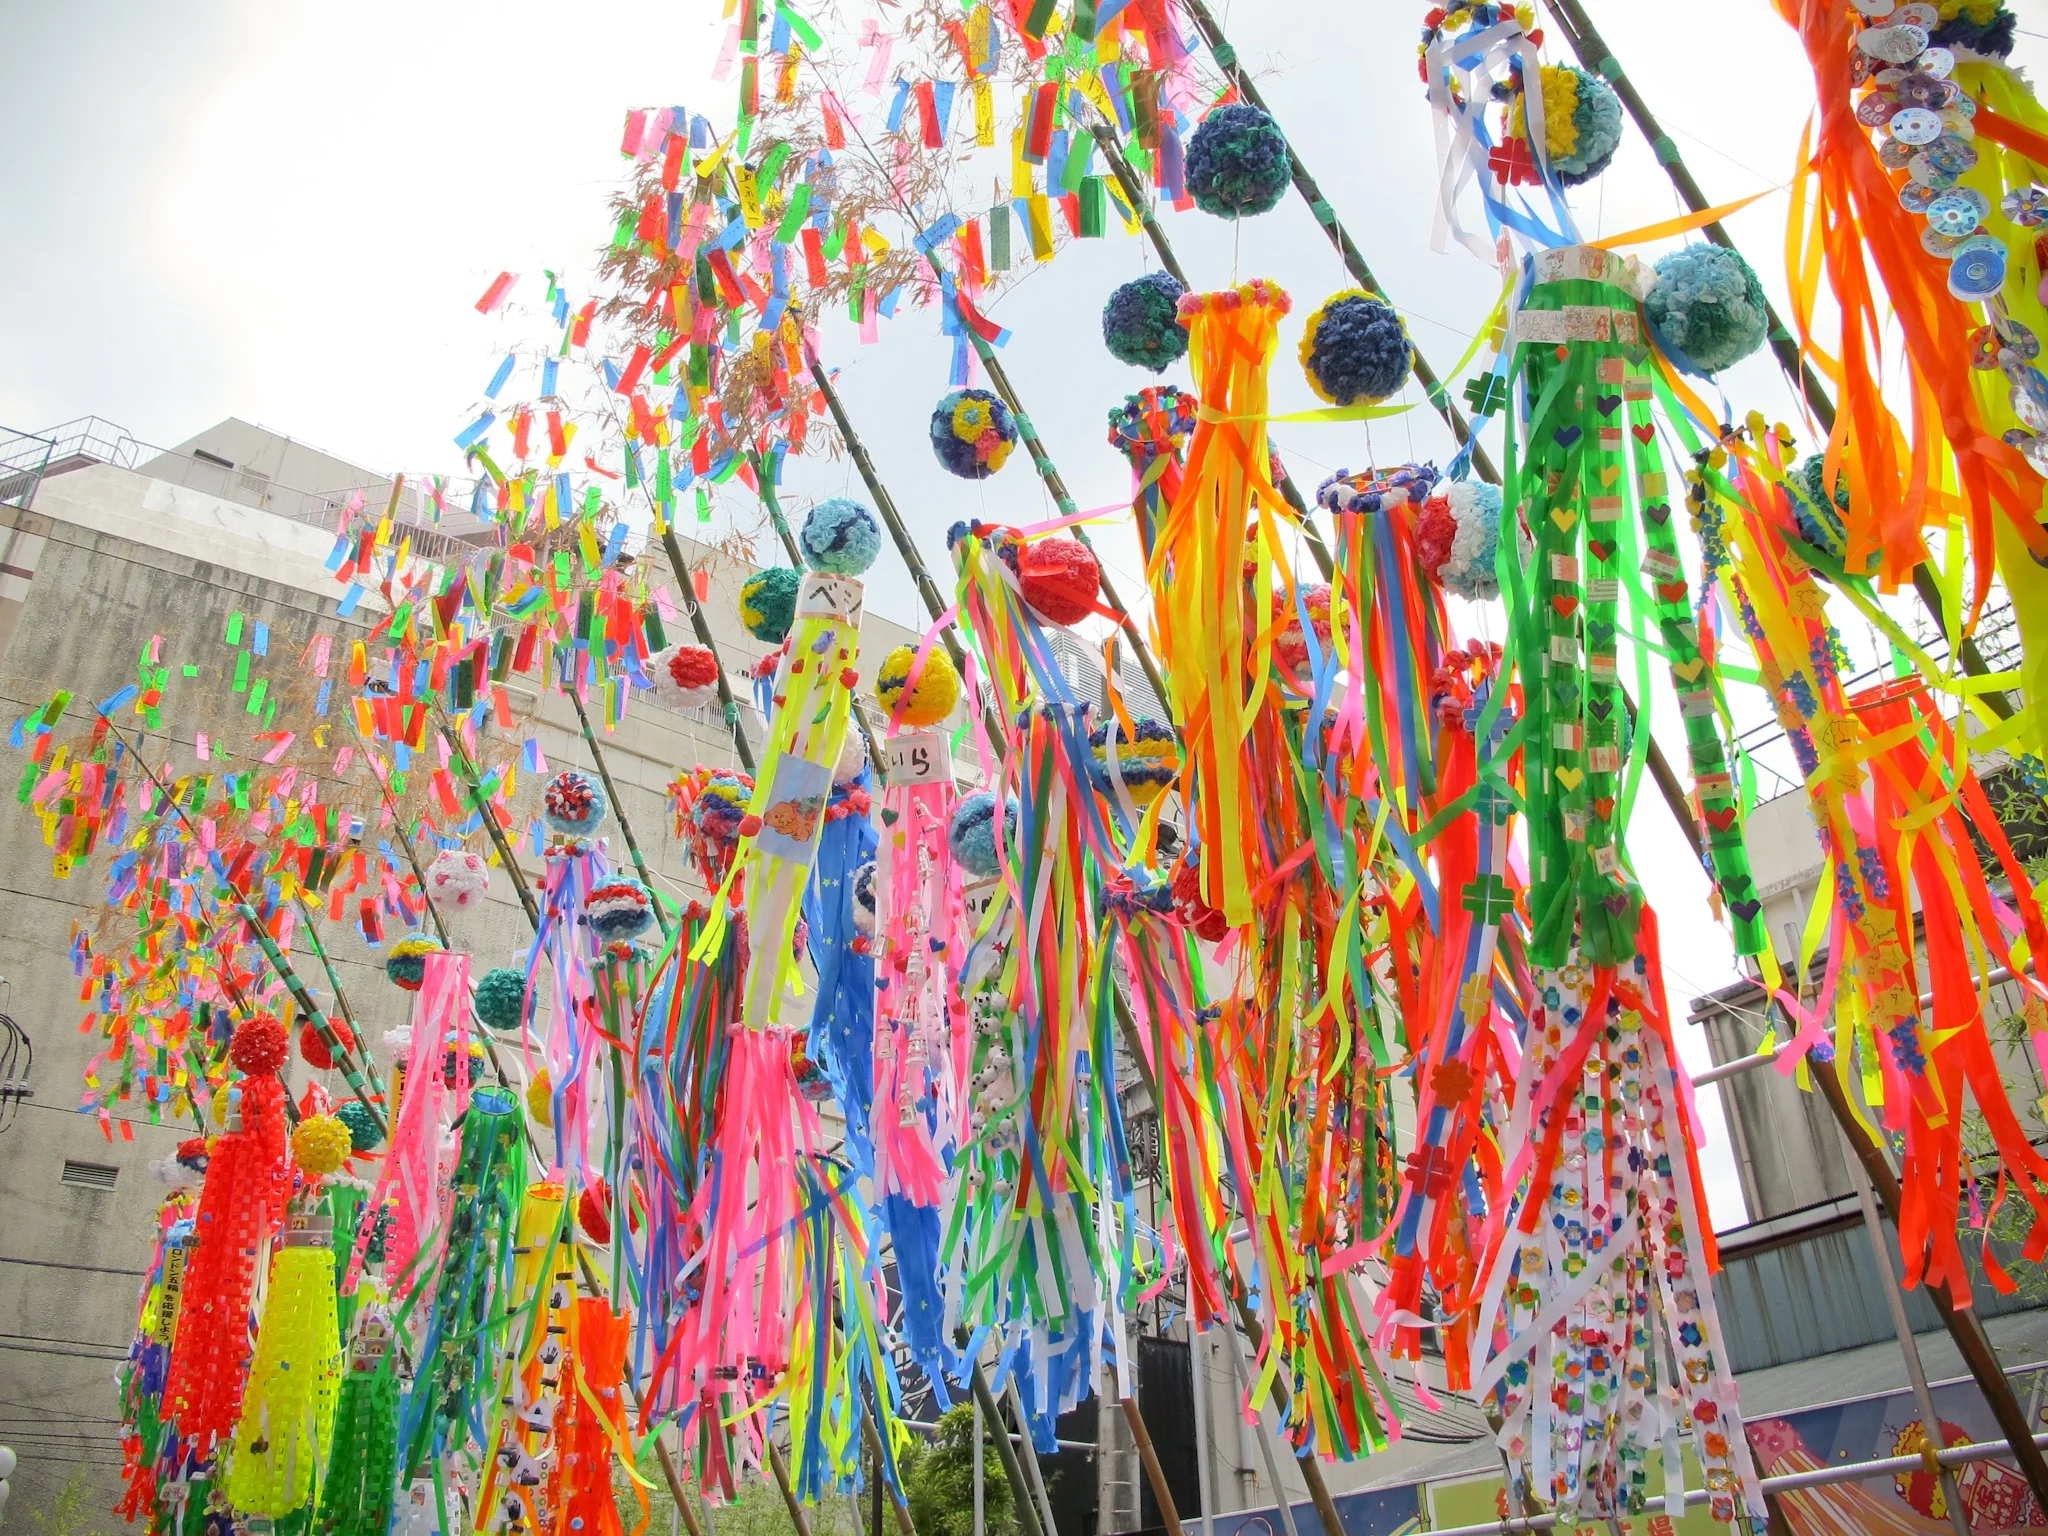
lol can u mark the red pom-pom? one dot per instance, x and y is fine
(693, 666)
(260, 1045)
(1209, 924)
(314, 1049)
(1435, 531)
(594, 1213)
(192, 1149)
(1060, 578)
(1290, 645)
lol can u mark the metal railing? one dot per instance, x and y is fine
(24, 458)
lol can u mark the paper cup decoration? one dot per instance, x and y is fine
(501, 998)
(313, 1050)
(688, 676)
(972, 433)
(457, 880)
(321, 1144)
(1146, 761)
(1141, 322)
(937, 690)
(768, 603)
(618, 910)
(1060, 578)
(1707, 309)
(407, 963)
(840, 536)
(973, 833)
(1355, 348)
(1237, 163)
(573, 804)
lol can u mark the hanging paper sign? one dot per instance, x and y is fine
(920, 757)
(171, 1287)
(796, 804)
(977, 899)
(826, 596)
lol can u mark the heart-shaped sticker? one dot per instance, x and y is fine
(1564, 517)
(1604, 807)
(1570, 778)
(1746, 909)
(1565, 604)
(1601, 548)
(1671, 591)
(1722, 819)
(1658, 512)
(1566, 436)
(1600, 709)
(1644, 431)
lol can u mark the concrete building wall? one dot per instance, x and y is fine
(107, 559)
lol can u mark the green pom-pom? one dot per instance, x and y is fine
(1141, 322)
(1707, 309)
(1237, 163)
(363, 1135)
(501, 998)
(768, 603)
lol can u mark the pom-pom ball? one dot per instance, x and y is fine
(573, 803)
(972, 433)
(937, 690)
(721, 807)
(192, 1152)
(1290, 642)
(768, 603)
(457, 880)
(1157, 419)
(1368, 491)
(406, 965)
(1707, 308)
(313, 1050)
(1141, 322)
(259, 1045)
(853, 756)
(1237, 163)
(501, 998)
(1458, 536)
(594, 1212)
(1355, 348)
(840, 536)
(363, 1134)
(1060, 578)
(619, 909)
(972, 833)
(687, 676)
(1147, 758)
(540, 1100)
(1581, 123)
(321, 1144)
(864, 909)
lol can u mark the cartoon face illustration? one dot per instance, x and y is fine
(795, 819)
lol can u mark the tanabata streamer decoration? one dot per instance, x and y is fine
(1210, 638)
(1151, 429)
(361, 1478)
(240, 1205)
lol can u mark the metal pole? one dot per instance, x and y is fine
(1205, 1440)
(1244, 1381)
(980, 1451)
(1909, 1348)
(618, 807)
(1030, 1459)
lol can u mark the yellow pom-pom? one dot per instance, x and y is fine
(937, 691)
(321, 1144)
(540, 1095)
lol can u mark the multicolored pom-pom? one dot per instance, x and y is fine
(1290, 641)
(972, 433)
(457, 880)
(1457, 537)
(768, 603)
(687, 676)
(1141, 322)
(721, 807)
(1146, 760)
(313, 1049)
(1060, 578)
(1355, 348)
(972, 833)
(406, 965)
(1237, 163)
(1581, 123)
(573, 804)
(501, 998)
(321, 1144)
(1707, 309)
(259, 1045)
(1157, 419)
(937, 690)
(840, 536)
(363, 1135)
(619, 909)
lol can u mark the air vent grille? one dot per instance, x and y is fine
(90, 1175)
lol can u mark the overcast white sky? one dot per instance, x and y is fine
(285, 212)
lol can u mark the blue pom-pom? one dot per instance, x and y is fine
(973, 832)
(1355, 348)
(1597, 119)
(1707, 309)
(1237, 163)
(1141, 323)
(573, 803)
(619, 909)
(1993, 38)
(501, 998)
(972, 433)
(768, 603)
(841, 536)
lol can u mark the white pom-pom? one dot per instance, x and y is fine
(690, 661)
(173, 1174)
(853, 755)
(457, 880)
(398, 1042)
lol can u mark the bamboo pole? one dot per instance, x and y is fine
(618, 806)
(1594, 54)
(471, 780)
(702, 628)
